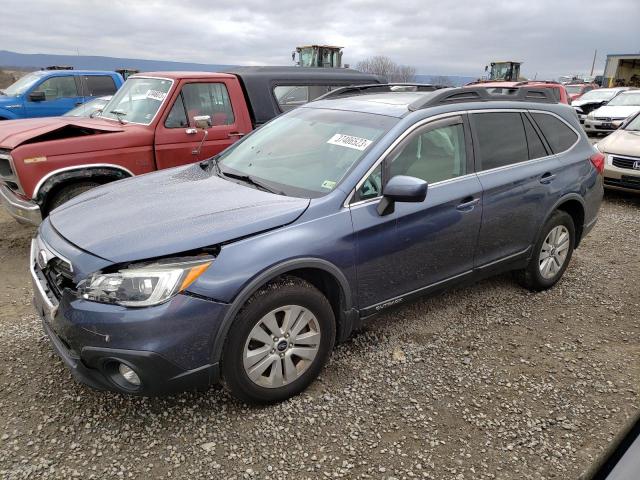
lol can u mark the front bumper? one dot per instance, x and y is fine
(25, 211)
(601, 126)
(168, 346)
(620, 173)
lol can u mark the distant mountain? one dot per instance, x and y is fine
(40, 60)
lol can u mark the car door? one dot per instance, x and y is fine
(517, 176)
(177, 140)
(418, 245)
(61, 95)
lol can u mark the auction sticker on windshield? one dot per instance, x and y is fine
(349, 141)
(156, 95)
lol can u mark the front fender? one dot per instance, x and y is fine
(7, 114)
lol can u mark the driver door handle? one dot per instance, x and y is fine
(236, 134)
(467, 204)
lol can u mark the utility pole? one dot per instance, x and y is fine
(594, 62)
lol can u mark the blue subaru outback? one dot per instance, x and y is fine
(247, 268)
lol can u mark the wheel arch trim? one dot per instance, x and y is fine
(91, 166)
(265, 277)
(564, 199)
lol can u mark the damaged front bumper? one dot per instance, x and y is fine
(24, 211)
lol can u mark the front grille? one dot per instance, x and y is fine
(59, 276)
(622, 162)
(603, 119)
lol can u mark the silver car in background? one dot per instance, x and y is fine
(608, 118)
(595, 99)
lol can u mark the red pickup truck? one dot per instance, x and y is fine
(148, 125)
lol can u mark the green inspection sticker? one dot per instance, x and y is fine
(328, 184)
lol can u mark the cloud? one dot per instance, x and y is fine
(551, 38)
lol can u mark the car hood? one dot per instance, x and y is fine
(615, 111)
(621, 142)
(169, 212)
(17, 132)
(580, 102)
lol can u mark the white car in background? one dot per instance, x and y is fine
(595, 99)
(608, 118)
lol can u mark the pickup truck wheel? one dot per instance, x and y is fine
(67, 193)
(551, 253)
(278, 343)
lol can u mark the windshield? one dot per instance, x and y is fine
(598, 95)
(23, 84)
(572, 89)
(626, 99)
(634, 125)
(306, 152)
(138, 100)
(88, 108)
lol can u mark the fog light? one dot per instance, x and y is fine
(129, 375)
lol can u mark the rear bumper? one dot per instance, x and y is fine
(24, 211)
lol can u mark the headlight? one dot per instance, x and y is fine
(143, 285)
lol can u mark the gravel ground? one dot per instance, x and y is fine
(488, 381)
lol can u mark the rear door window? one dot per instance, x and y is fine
(501, 139)
(536, 147)
(98, 85)
(559, 135)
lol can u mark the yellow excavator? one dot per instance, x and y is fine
(323, 56)
(508, 71)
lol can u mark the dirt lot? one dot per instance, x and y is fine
(488, 381)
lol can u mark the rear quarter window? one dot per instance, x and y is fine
(559, 135)
(99, 85)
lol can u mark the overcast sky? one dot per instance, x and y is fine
(551, 37)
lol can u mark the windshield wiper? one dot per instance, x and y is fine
(119, 114)
(252, 181)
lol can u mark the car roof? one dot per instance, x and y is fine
(392, 104)
(181, 74)
(400, 104)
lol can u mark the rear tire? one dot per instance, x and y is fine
(67, 193)
(278, 342)
(551, 253)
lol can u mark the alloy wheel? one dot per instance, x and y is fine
(554, 251)
(281, 346)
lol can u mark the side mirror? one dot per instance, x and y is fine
(401, 188)
(202, 121)
(37, 96)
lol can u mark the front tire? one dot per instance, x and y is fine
(67, 193)
(279, 342)
(551, 253)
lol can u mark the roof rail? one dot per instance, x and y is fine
(378, 87)
(484, 94)
(527, 82)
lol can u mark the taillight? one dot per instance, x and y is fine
(598, 161)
